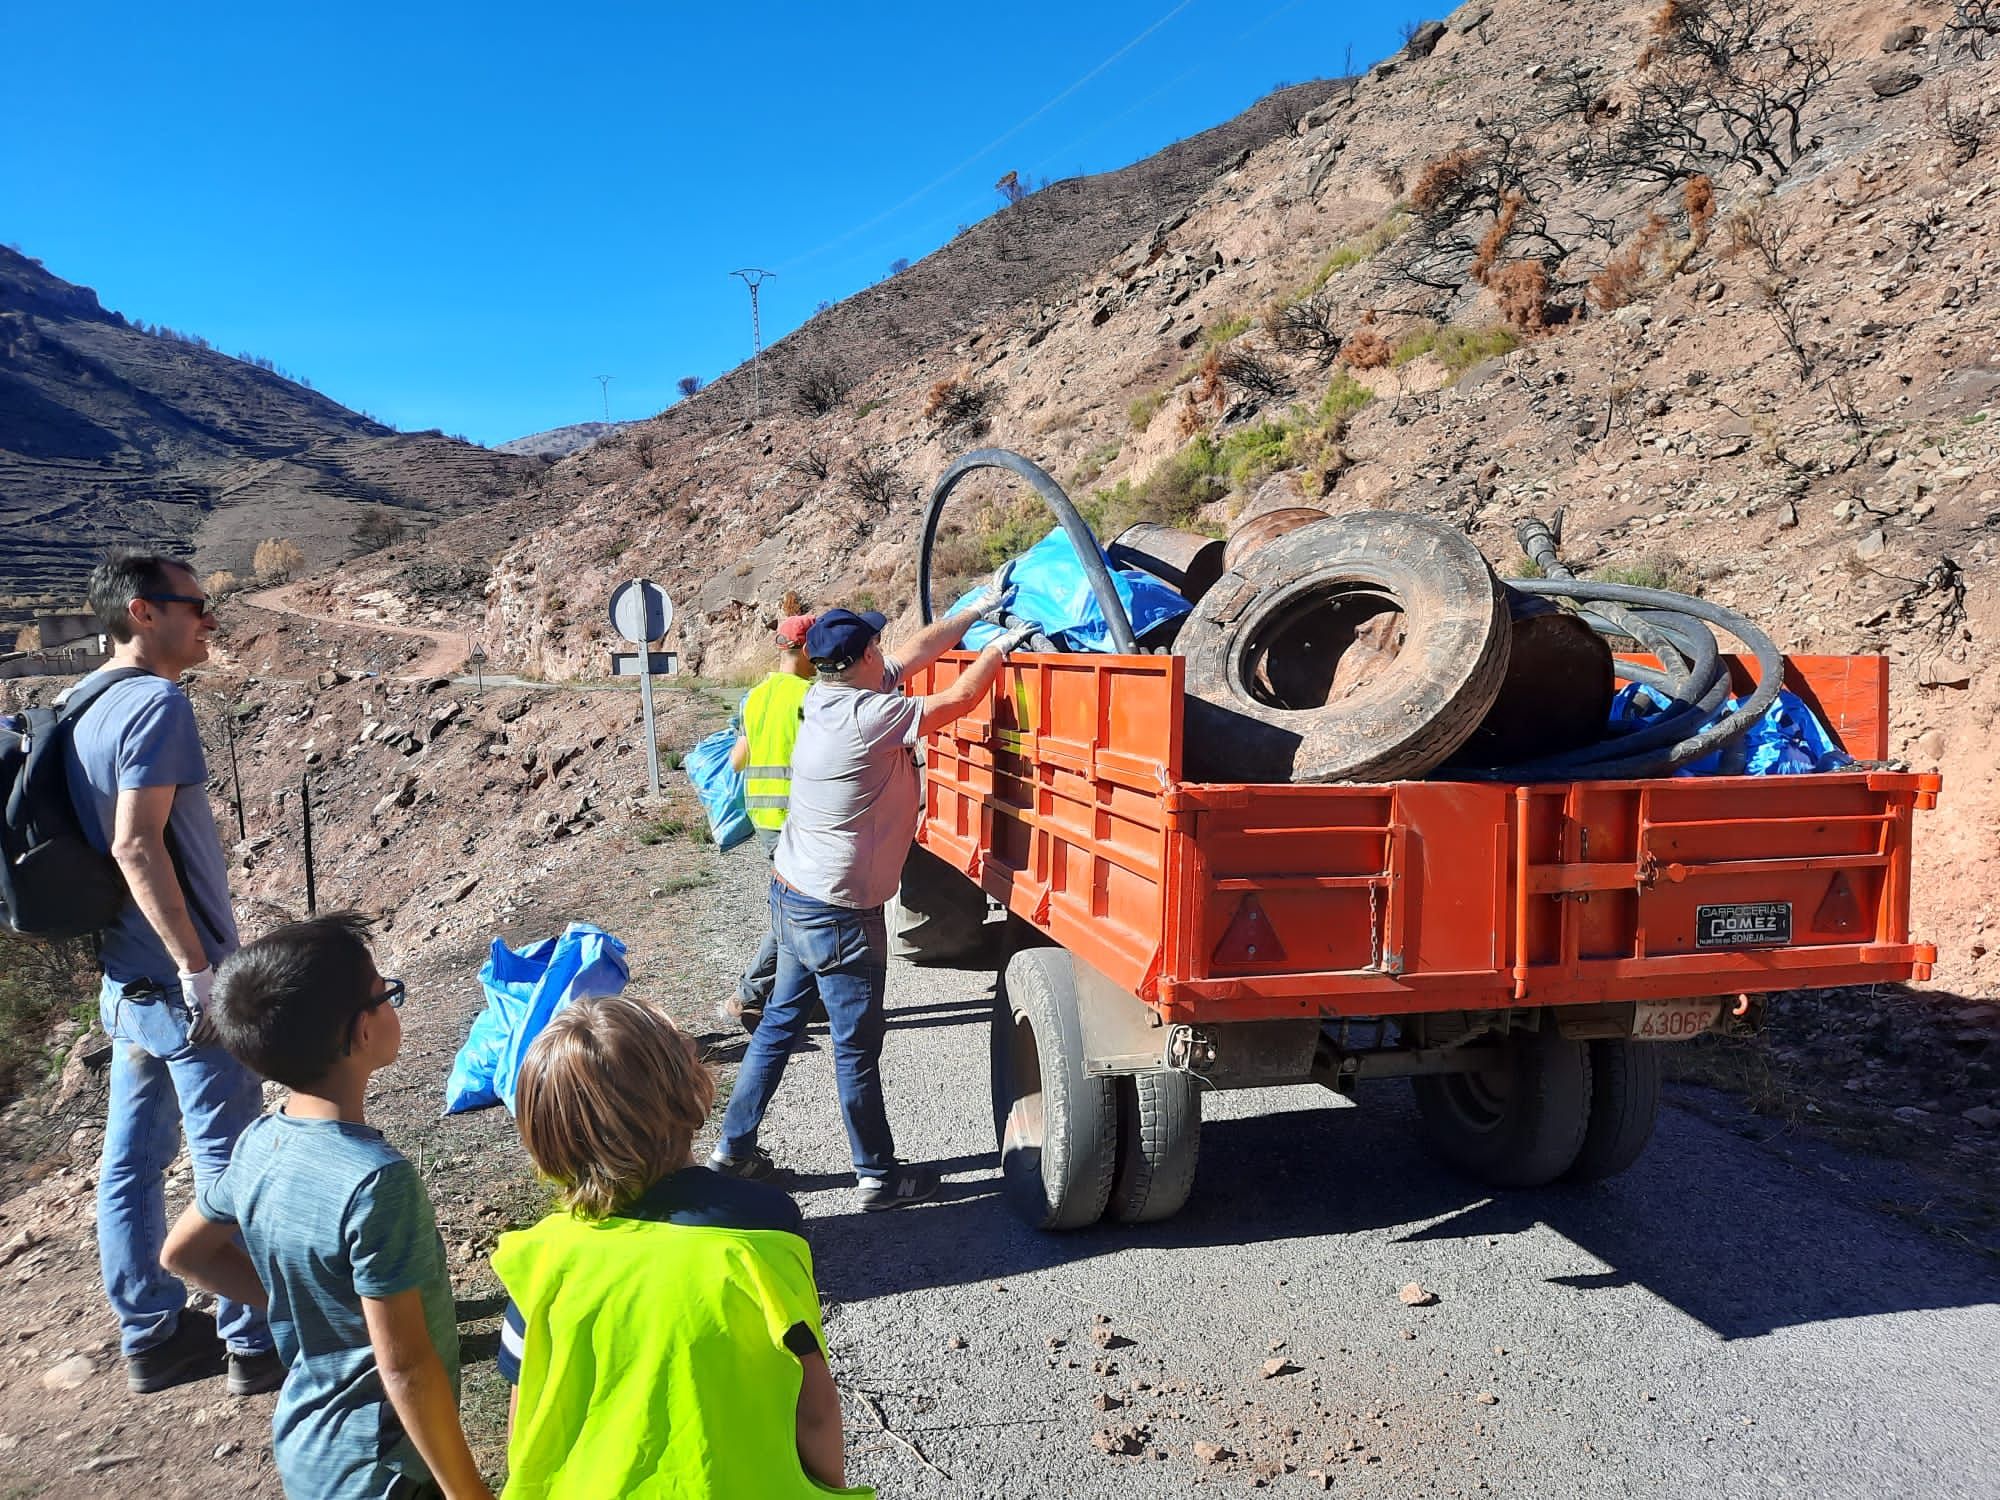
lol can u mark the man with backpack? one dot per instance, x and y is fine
(138, 784)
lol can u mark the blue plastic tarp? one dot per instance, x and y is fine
(1787, 739)
(524, 988)
(720, 787)
(1054, 592)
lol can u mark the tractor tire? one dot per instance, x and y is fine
(1159, 1145)
(1365, 647)
(1519, 1125)
(1624, 1101)
(937, 914)
(1056, 1126)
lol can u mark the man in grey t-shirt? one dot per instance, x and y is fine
(854, 802)
(139, 784)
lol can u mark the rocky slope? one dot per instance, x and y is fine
(114, 436)
(559, 442)
(1776, 383)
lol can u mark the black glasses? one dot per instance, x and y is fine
(392, 995)
(203, 605)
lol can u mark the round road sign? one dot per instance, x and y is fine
(641, 611)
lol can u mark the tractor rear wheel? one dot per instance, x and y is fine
(1056, 1126)
(1518, 1124)
(1159, 1144)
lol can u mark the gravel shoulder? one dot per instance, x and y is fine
(1722, 1319)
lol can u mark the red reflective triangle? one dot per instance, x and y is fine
(1250, 939)
(1838, 910)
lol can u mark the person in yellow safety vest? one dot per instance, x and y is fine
(763, 753)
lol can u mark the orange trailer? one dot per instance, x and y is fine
(1515, 950)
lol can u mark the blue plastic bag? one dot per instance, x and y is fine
(1787, 739)
(524, 988)
(1054, 592)
(721, 788)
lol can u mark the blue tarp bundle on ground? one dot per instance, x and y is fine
(1786, 740)
(720, 787)
(1055, 593)
(524, 988)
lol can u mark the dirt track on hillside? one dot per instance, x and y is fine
(446, 656)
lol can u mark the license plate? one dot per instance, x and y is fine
(1743, 924)
(1672, 1020)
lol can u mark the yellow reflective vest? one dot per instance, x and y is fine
(771, 726)
(653, 1362)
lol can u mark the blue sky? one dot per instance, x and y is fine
(457, 216)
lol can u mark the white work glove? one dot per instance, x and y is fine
(195, 989)
(991, 602)
(1010, 641)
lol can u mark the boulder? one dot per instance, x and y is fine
(1889, 82)
(1423, 41)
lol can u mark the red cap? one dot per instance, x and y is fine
(792, 630)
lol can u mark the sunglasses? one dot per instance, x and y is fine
(203, 605)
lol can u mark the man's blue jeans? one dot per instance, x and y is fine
(842, 956)
(160, 1082)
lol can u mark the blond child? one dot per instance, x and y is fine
(663, 1329)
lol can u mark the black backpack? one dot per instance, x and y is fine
(53, 884)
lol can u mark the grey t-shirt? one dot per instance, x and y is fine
(142, 733)
(332, 1213)
(855, 793)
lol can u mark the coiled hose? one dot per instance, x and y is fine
(1691, 674)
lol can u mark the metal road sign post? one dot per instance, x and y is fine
(475, 653)
(641, 613)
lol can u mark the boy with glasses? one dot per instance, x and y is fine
(339, 1230)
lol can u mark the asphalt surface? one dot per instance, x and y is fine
(1718, 1321)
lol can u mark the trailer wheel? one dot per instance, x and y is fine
(1159, 1143)
(937, 914)
(1624, 1099)
(1056, 1126)
(1520, 1124)
(1365, 647)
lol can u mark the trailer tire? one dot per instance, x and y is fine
(1159, 1146)
(1624, 1100)
(936, 914)
(1519, 1125)
(1365, 647)
(1056, 1126)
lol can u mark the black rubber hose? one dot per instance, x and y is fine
(1081, 537)
(1615, 758)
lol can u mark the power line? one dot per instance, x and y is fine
(604, 389)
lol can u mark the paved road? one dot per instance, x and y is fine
(1716, 1322)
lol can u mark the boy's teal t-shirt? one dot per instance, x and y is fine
(332, 1213)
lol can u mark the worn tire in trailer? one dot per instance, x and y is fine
(1520, 1124)
(936, 914)
(1365, 647)
(1624, 1101)
(1056, 1126)
(1159, 1145)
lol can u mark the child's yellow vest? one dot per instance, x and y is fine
(654, 1362)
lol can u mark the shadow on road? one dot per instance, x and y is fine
(1731, 1237)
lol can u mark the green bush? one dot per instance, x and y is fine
(1663, 570)
(39, 984)
(1344, 397)
(1457, 349)
(1363, 247)
(1217, 334)
(1144, 408)
(1094, 464)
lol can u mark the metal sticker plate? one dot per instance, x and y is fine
(1743, 924)
(1673, 1020)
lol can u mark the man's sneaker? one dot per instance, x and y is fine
(903, 1186)
(190, 1352)
(752, 1168)
(733, 1012)
(254, 1374)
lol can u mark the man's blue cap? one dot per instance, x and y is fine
(839, 637)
